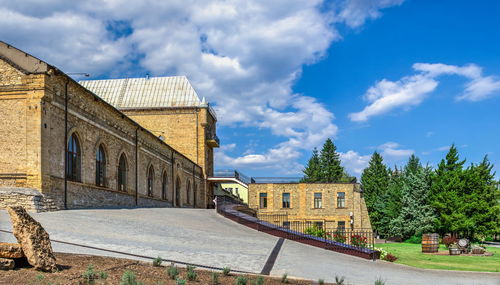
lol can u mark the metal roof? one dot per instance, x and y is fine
(149, 92)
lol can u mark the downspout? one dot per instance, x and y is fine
(194, 186)
(173, 178)
(66, 145)
(197, 135)
(136, 167)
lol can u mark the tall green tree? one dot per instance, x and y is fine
(331, 170)
(313, 168)
(375, 182)
(416, 216)
(447, 192)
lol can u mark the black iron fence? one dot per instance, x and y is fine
(352, 241)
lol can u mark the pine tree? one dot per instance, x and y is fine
(331, 170)
(447, 193)
(312, 170)
(375, 181)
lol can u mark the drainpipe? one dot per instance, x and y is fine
(136, 167)
(173, 179)
(194, 193)
(66, 145)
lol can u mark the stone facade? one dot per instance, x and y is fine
(302, 206)
(32, 149)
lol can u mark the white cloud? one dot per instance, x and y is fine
(354, 163)
(242, 55)
(410, 91)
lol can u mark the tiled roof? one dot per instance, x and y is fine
(152, 92)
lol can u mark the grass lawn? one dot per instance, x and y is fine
(411, 254)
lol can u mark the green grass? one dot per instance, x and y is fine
(411, 254)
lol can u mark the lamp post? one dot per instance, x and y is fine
(66, 136)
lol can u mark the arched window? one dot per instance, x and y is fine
(73, 166)
(164, 186)
(188, 194)
(195, 190)
(151, 176)
(100, 167)
(122, 173)
(177, 192)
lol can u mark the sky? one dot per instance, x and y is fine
(394, 76)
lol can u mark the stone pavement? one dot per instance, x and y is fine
(202, 237)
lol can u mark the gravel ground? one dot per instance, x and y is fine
(203, 237)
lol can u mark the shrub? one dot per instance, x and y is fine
(383, 252)
(180, 281)
(103, 275)
(339, 280)
(191, 274)
(338, 237)
(241, 280)
(284, 278)
(215, 278)
(449, 240)
(157, 261)
(414, 239)
(358, 240)
(379, 281)
(389, 257)
(321, 281)
(128, 278)
(259, 281)
(315, 231)
(226, 271)
(172, 272)
(89, 275)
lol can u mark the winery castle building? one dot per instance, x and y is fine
(125, 142)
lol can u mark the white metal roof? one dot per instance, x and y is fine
(150, 92)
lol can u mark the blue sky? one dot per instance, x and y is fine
(395, 76)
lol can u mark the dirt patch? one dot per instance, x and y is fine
(72, 266)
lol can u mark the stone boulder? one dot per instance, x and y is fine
(34, 240)
(10, 250)
(6, 264)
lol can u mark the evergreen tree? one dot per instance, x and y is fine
(447, 194)
(390, 204)
(331, 170)
(375, 181)
(416, 216)
(312, 170)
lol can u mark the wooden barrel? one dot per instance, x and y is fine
(430, 242)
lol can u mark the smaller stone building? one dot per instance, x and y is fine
(328, 205)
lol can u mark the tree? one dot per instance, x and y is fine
(375, 182)
(331, 170)
(447, 194)
(312, 170)
(416, 216)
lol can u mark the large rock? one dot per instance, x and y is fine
(10, 250)
(34, 240)
(7, 264)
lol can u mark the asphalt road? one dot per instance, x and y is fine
(203, 237)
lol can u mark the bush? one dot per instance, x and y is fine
(321, 281)
(241, 280)
(339, 280)
(315, 231)
(414, 239)
(449, 240)
(215, 278)
(382, 251)
(172, 272)
(358, 240)
(338, 237)
(259, 281)
(128, 278)
(89, 275)
(180, 281)
(379, 281)
(191, 274)
(226, 271)
(284, 278)
(389, 257)
(157, 261)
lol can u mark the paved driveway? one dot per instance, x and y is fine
(203, 237)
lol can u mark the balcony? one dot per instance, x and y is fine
(213, 140)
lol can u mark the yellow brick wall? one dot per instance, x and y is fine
(32, 128)
(302, 202)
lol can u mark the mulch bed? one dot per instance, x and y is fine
(72, 266)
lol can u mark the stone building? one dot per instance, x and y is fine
(327, 205)
(66, 147)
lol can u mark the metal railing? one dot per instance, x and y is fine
(358, 241)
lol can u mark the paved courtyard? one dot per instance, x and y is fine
(203, 237)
